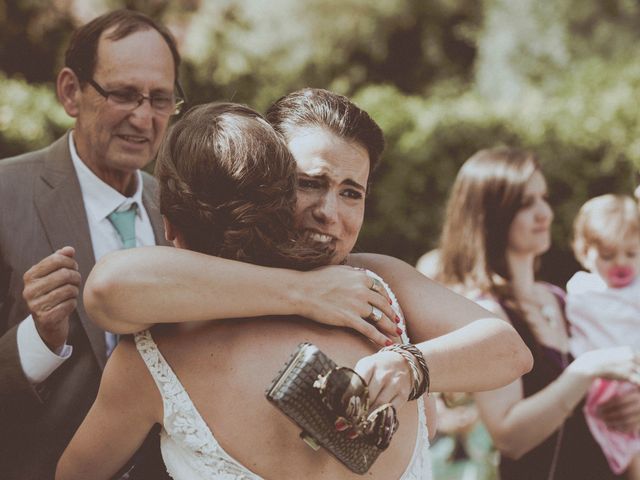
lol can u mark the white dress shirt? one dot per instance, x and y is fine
(100, 199)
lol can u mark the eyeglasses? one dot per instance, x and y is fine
(345, 393)
(130, 99)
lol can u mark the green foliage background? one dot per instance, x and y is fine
(442, 77)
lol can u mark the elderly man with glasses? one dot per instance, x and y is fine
(64, 207)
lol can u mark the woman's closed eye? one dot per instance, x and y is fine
(527, 202)
(309, 183)
(530, 200)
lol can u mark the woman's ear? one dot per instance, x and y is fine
(171, 234)
(68, 90)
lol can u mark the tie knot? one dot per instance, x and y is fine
(125, 224)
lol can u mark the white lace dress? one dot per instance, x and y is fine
(189, 448)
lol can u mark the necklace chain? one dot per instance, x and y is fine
(552, 320)
(546, 311)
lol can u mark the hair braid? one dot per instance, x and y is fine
(228, 185)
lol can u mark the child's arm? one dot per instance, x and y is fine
(126, 408)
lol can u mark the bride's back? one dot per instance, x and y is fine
(228, 188)
(227, 366)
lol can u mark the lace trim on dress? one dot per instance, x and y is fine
(186, 428)
(183, 422)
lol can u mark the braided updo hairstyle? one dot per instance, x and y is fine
(228, 185)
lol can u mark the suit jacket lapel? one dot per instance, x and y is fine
(58, 199)
(151, 204)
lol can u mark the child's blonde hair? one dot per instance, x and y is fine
(602, 220)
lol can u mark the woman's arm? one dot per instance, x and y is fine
(130, 290)
(126, 408)
(517, 424)
(466, 347)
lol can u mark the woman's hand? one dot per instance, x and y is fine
(622, 413)
(345, 297)
(456, 419)
(388, 376)
(618, 363)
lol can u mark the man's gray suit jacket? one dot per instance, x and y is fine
(41, 210)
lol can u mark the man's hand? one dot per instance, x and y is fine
(51, 290)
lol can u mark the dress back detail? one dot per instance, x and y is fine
(189, 448)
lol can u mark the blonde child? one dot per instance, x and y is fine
(603, 308)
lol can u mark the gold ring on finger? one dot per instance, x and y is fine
(376, 314)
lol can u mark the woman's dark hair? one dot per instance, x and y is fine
(484, 200)
(82, 54)
(314, 107)
(228, 185)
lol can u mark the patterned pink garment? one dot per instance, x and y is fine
(619, 448)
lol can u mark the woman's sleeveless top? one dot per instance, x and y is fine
(189, 448)
(579, 456)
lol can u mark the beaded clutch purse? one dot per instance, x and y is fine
(313, 392)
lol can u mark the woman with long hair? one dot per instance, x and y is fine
(497, 225)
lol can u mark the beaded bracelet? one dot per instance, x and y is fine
(417, 365)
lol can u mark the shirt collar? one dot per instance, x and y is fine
(100, 199)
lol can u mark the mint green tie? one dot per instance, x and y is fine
(125, 224)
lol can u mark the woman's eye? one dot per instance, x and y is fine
(307, 183)
(526, 203)
(606, 256)
(632, 254)
(354, 194)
